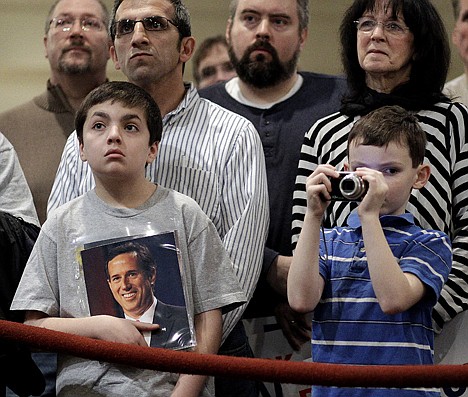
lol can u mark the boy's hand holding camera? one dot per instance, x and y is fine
(323, 183)
(373, 200)
(318, 188)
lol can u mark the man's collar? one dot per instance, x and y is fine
(233, 89)
(190, 98)
(54, 100)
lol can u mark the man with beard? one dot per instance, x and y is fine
(265, 39)
(77, 48)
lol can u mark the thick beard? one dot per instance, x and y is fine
(261, 73)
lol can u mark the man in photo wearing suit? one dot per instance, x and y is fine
(131, 275)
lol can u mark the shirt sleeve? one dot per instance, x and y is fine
(454, 295)
(38, 289)
(429, 257)
(73, 177)
(15, 195)
(246, 214)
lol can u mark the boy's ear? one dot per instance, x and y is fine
(152, 152)
(422, 176)
(82, 153)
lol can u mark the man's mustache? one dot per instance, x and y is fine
(74, 46)
(261, 45)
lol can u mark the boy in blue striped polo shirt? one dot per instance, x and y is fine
(372, 285)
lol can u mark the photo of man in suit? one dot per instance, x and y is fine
(131, 275)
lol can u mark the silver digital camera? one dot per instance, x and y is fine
(348, 187)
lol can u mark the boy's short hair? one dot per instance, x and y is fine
(127, 94)
(391, 124)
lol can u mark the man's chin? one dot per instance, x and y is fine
(75, 68)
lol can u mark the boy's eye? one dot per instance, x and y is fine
(390, 171)
(98, 126)
(131, 128)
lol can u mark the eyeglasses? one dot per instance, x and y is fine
(154, 23)
(368, 25)
(66, 23)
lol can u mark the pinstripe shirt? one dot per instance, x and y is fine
(214, 156)
(441, 205)
(349, 327)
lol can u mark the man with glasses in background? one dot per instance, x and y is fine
(206, 152)
(77, 48)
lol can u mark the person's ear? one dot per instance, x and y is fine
(152, 152)
(153, 276)
(114, 57)
(422, 176)
(45, 46)
(228, 31)
(82, 153)
(187, 47)
(303, 38)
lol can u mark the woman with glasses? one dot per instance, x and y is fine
(396, 52)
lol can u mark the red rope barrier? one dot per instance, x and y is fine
(166, 360)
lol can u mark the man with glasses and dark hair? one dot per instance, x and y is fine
(206, 152)
(77, 48)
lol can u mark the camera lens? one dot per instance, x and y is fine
(352, 187)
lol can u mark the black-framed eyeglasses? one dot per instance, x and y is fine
(368, 25)
(66, 23)
(154, 23)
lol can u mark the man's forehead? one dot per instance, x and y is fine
(272, 7)
(132, 9)
(124, 258)
(84, 7)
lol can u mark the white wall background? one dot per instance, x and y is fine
(24, 69)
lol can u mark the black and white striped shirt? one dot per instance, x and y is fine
(214, 156)
(441, 205)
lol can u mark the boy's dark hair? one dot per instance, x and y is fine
(143, 254)
(127, 94)
(391, 124)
